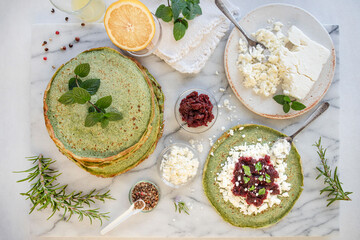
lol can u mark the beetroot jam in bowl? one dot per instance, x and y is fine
(196, 110)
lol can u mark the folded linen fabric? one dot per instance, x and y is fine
(190, 54)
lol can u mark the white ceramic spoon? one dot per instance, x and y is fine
(128, 213)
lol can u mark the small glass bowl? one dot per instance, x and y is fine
(183, 124)
(153, 45)
(90, 11)
(166, 151)
(146, 181)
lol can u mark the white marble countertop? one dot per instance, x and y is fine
(15, 25)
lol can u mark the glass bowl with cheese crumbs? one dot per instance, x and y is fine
(178, 165)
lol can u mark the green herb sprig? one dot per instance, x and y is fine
(180, 207)
(45, 192)
(180, 11)
(334, 188)
(81, 91)
(288, 103)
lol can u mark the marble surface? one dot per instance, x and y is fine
(16, 19)
(309, 217)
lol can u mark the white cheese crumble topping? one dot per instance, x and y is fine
(197, 145)
(255, 151)
(179, 165)
(295, 61)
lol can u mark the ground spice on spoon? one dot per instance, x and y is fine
(147, 192)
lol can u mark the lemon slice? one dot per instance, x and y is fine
(129, 24)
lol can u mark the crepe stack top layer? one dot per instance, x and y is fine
(123, 144)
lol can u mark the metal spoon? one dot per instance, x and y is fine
(320, 110)
(128, 213)
(220, 4)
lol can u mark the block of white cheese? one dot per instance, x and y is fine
(303, 63)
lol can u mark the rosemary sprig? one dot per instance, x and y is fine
(334, 188)
(180, 207)
(45, 192)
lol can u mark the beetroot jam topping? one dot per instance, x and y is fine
(253, 179)
(196, 110)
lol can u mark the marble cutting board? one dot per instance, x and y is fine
(309, 217)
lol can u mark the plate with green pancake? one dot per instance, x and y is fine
(252, 178)
(123, 144)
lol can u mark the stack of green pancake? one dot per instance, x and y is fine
(123, 144)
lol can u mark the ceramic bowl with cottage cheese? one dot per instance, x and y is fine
(178, 165)
(301, 64)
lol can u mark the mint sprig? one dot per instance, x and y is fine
(288, 103)
(180, 11)
(81, 91)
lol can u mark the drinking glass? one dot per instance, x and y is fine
(86, 10)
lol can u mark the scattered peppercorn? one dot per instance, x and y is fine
(57, 32)
(52, 10)
(66, 19)
(70, 45)
(44, 43)
(50, 39)
(77, 39)
(46, 49)
(53, 67)
(45, 58)
(63, 48)
(82, 24)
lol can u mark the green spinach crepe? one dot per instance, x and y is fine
(123, 144)
(250, 134)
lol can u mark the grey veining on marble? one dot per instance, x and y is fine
(309, 217)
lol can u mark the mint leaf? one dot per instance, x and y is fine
(279, 99)
(252, 188)
(93, 118)
(246, 170)
(246, 179)
(267, 178)
(287, 99)
(183, 21)
(104, 122)
(112, 116)
(179, 30)
(91, 109)
(261, 178)
(72, 83)
(286, 107)
(262, 191)
(104, 102)
(80, 95)
(177, 7)
(191, 11)
(258, 166)
(67, 98)
(158, 12)
(297, 106)
(197, 10)
(91, 85)
(165, 13)
(194, 1)
(82, 70)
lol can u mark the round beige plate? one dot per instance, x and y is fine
(289, 15)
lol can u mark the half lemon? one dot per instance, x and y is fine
(129, 25)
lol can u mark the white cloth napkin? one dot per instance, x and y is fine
(190, 54)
